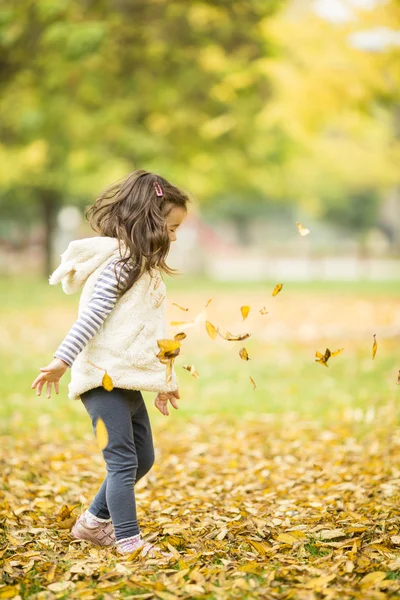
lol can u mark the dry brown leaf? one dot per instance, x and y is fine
(253, 382)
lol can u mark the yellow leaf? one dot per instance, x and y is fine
(373, 579)
(191, 370)
(398, 378)
(245, 311)
(208, 302)
(181, 307)
(302, 230)
(168, 348)
(211, 330)
(101, 434)
(374, 347)
(277, 289)
(336, 352)
(179, 337)
(222, 534)
(259, 547)
(9, 591)
(286, 538)
(50, 573)
(320, 582)
(263, 311)
(253, 382)
(107, 382)
(232, 338)
(243, 354)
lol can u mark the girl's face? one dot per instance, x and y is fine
(173, 220)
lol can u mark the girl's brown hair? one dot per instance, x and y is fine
(131, 211)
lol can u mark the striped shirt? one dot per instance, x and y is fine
(105, 295)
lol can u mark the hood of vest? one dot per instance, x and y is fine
(81, 259)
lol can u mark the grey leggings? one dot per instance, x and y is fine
(129, 454)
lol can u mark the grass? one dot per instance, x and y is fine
(303, 318)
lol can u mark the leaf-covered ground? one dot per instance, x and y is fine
(265, 508)
(288, 491)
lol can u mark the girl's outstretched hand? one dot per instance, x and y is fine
(50, 374)
(161, 401)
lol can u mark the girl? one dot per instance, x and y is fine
(121, 317)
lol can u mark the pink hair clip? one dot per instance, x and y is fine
(158, 188)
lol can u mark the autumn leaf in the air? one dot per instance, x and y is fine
(374, 347)
(179, 337)
(263, 311)
(232, 338)
(398, 378)
(323, 358)
(168, 348)
(191, 370)
(253, 382)
(243, 354)
(208, 302)
(277, 289)
(101, 433)
(211, 330)
(245, 311)
(181, 307)
(302, 230)
(200, 318)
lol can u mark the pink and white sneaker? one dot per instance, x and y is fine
(130, 544)
(93, 529)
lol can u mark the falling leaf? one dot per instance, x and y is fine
(398, 378)
(277, 289)
(179, 337)
(101, 434)
(245, 311)
(323, 358)
(232, 338)
(181, 307)
(302, 230)
(107, 382)
(168, 348)
(211, 330)
(186, 324)
(208, 302)
(263, 310)
(374, 347)
(253, 382)
(243, 354)
(191, 370)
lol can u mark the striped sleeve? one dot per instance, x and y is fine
(105, 295)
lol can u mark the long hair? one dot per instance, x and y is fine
(131, 211)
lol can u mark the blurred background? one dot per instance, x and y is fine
(268, 113)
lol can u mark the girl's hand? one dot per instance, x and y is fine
(50, 374)
(161, 401)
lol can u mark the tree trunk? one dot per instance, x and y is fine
(50, 202)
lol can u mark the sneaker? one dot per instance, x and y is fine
(98, 531)
(131, 544)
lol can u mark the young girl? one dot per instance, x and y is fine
(121, 317)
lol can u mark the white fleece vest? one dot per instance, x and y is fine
(126, 343)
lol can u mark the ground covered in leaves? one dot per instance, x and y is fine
(251, 508)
